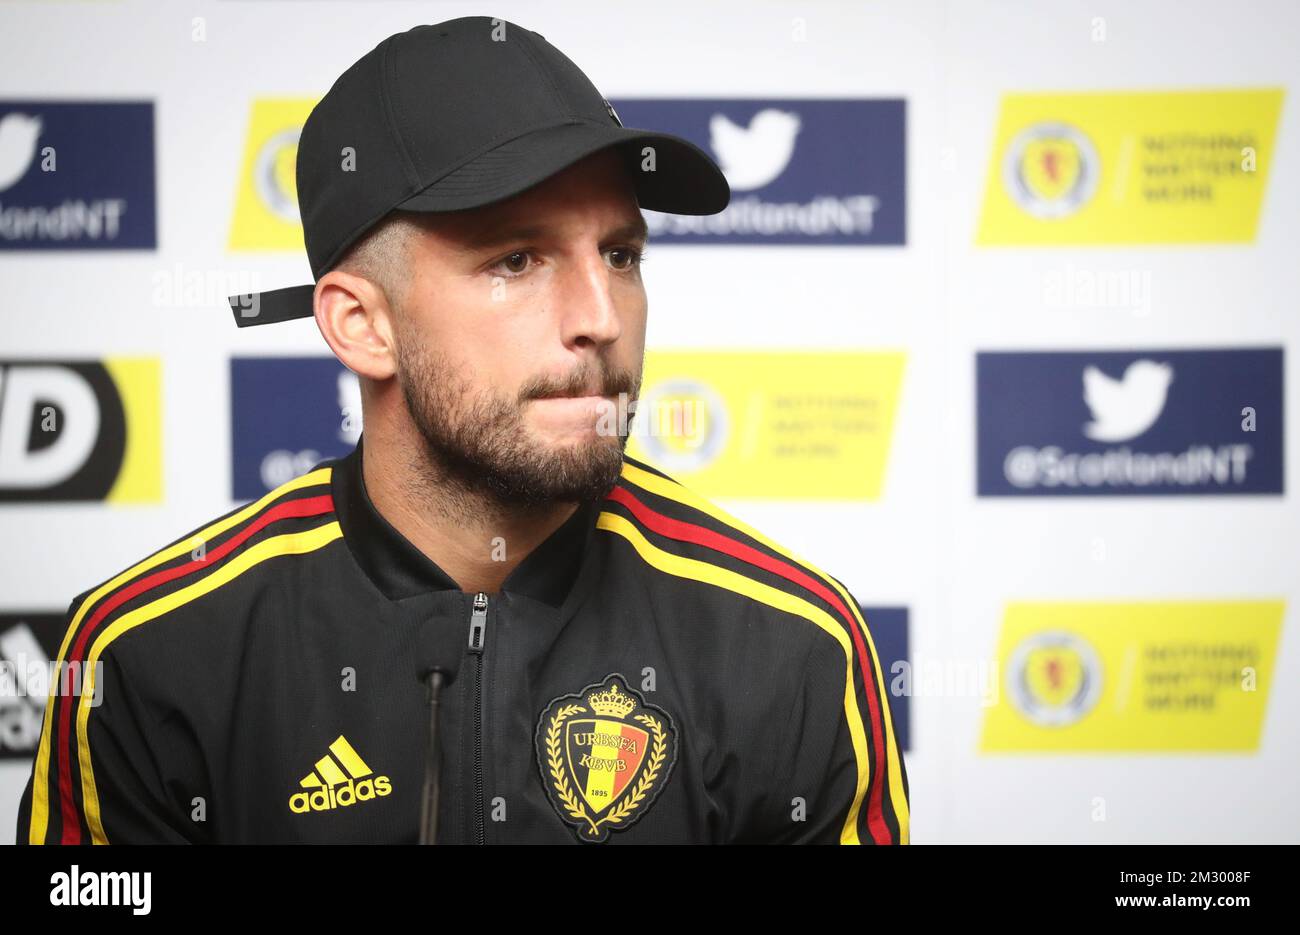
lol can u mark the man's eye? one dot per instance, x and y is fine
(516, 262)
(624, 258)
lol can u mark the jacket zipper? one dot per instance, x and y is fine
(477, 631)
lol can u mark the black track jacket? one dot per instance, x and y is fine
(654, 672)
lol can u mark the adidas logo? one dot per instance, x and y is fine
(339, 779)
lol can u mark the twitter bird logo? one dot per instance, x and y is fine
(751, 157)
(18, 136)
(1125, 408)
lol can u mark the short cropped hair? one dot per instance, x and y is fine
(382, 255)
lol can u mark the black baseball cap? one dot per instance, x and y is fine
(454, 116)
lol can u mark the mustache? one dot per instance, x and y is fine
(587, 381)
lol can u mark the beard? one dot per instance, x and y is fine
(481, 445)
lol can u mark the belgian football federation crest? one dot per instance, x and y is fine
(604, 756)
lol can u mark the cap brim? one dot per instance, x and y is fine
(682, 180)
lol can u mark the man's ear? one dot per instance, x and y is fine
(356, 321)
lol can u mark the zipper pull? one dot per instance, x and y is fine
(478, 623)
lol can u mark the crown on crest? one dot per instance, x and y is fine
(611, 703)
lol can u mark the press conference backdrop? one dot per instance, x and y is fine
(995, 330)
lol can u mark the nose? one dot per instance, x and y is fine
(590, 312)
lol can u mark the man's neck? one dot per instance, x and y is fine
(475, 540)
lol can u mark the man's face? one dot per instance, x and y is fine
(522, 324)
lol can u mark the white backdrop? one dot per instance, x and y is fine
(928, 543)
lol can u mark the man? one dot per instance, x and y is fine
(486, 624)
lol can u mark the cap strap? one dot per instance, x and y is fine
(265, 308)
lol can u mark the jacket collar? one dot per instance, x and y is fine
(400, 570)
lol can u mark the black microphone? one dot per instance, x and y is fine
(436, 674)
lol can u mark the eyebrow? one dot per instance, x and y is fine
(498, 235)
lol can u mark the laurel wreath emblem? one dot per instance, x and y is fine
(630, 800)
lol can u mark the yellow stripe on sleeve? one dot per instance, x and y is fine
(289, 544)
(671, 490)
(40, 785)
